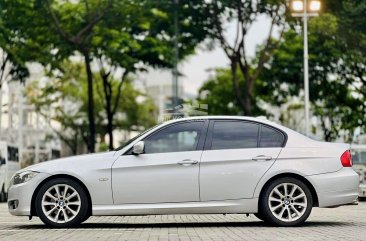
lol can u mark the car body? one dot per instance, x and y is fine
(196, 165)
(359, 165)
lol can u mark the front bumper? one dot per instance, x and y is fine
(336, 188)
(20, 196)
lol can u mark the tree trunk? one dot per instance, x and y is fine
(110, 129)
(247, 98)
(91, 139)
(244, 98)
(107, 86)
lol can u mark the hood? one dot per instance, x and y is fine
(68, 163)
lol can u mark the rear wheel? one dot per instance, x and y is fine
(286, 202)
(62, 203)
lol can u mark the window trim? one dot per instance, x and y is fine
(200, 143)
(208, 143)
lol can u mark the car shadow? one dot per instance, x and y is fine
(90, 225)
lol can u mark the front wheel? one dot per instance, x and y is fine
(286, 202)
(62, 203)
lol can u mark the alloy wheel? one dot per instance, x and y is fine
(287, 202)
(61, 203)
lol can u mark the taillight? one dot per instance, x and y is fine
(346, 159)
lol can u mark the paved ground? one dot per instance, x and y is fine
(344, 223)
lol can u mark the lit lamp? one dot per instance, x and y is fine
(306, 9)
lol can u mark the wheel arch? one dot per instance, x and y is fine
(296, 176)
(33, 208)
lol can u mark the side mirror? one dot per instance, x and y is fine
(138, 148)
(2, 161)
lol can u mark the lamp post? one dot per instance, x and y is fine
(306, 9)
(175, 93)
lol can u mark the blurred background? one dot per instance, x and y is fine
(82, 76)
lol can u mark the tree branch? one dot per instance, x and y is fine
(119, 91)
(57, 23)
(94, 20)
(219, 33)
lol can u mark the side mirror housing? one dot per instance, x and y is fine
(138, 148)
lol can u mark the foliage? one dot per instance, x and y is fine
(64, 98)
(242, 14)
(332, 87)
(218, 93)
(119, 36)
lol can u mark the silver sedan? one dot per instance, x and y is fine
(197, 165)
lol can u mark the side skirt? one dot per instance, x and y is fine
(209, 207)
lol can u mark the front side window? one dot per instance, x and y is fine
(234, 135)
(271, 138)
(175, 138)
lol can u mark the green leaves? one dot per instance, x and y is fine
(332, 76)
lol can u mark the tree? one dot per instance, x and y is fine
(218, 94)
(78, 35)
(14, 53)
(332, 87)
(118, 36)
(64, 99)
(146, 39)
(243, 14)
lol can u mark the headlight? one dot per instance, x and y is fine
(22, 177)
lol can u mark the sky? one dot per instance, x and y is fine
(195, 68)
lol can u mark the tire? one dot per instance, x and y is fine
(285, 211)
(62, 203)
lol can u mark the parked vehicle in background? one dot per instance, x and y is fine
(359, 165)
(9, 165)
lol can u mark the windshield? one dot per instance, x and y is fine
(134, 138)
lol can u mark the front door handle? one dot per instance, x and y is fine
(262, 158)
(187, 162)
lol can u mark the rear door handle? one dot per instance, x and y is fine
(187, 162)
(262, 158)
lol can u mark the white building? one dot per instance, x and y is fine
(22, 126)
(159, 85)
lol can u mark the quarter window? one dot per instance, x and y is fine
(234, 135)
(270, 138)
(175, 138)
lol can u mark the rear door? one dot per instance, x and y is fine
(237, 154)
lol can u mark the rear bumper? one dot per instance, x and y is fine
(336, 188)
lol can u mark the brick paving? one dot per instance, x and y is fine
(344, 223)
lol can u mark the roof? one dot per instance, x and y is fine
(261, 119)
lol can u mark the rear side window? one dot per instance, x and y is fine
(234, 135)
(270, 137)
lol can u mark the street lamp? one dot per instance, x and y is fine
(306, 9)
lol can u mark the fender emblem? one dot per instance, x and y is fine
(103, 179)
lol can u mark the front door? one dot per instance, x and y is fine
(236, 156)
(167, 171)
